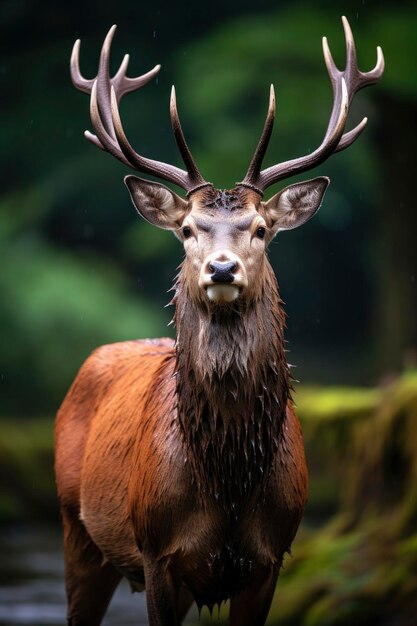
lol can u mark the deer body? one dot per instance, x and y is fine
(191, 455)
(181, 465)
(216, 547)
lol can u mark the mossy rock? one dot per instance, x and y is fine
(382, 475)
(27, 483)
(329, 417)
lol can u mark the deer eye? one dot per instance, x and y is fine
(186, 231)
(260, 232)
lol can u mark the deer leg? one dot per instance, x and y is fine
(251, 606)
(162, 594)
(90, 583)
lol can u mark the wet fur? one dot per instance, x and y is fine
(182, 466)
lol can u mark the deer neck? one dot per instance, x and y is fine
(232, 390)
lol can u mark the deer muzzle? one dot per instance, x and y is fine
(223, 277)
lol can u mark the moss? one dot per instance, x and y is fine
(26, 470)
(317, 405)
(382, 476)
(328, 417)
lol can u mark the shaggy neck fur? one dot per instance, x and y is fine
(232, 390)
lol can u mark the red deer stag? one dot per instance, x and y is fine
(180, 465)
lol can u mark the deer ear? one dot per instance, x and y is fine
(156, 203)
(296, 204)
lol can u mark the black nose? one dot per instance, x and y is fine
(222, 272)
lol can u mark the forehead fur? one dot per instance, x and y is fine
(214, 201)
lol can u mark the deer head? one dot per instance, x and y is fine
(225, 233)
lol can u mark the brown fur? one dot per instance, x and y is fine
(181, 465)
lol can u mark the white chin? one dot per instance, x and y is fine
(222, 293)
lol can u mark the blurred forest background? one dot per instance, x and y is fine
(79, 268)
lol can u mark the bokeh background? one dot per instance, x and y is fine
(79, 268)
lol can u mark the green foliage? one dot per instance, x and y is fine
(383, 476)
(396, 30)
(143, 242)
(27, 483)
(57, 310)
(328, 419)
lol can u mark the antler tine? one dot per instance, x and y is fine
(335, 75)
(355, 79)
(123, 84)
(149, 166)
(104, 83)
(329, 61)
(83, 84)
(256, 162)
(106, 94)
(378, 70)
(351, 136)
(186, 155)
(360, 79)
(103, 140)
(344, 84)
(327, 147)
(351, 57)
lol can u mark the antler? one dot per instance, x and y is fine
(345, 84)
(106, 94)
